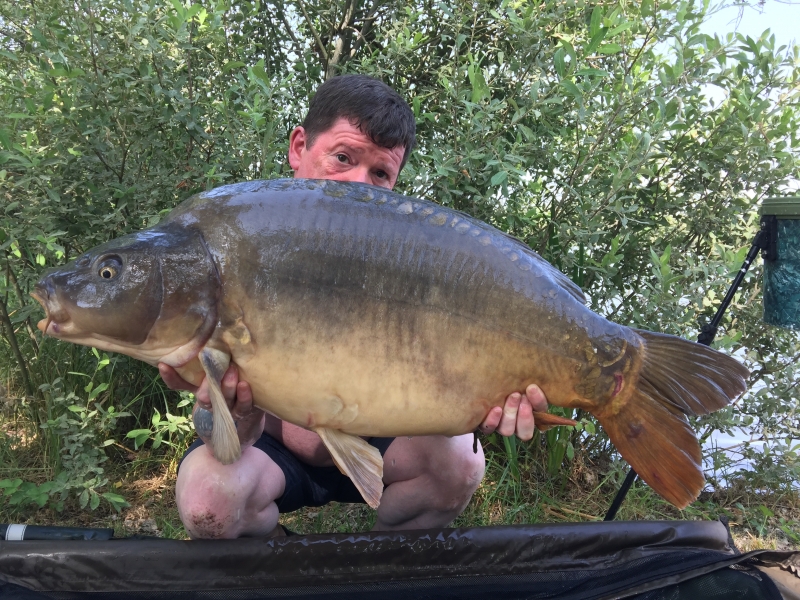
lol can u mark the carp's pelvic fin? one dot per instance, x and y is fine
(650, 429)
(362, 463)
(224, 440)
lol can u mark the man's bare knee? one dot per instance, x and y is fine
(207, 497)
(209, 522)
(460, 479)
(227, 501)
(430, 481)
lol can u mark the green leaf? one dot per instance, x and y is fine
(480, 90)
(619, 29)
(83, 499)
(136, 433)
(100, 388)
(94, 501)
(609, 49)
(10, 484)
(594, 43)
(593, 73)
(596, 20)
(258, 74)
(677, 69)
(115, 500)
(572, 89)
(233, 64)
(499, 178)
(527, 132)
(558, 61)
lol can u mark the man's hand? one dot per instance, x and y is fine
(238, 395)
(516, 416)
(173, 380)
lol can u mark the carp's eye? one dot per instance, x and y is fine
(109, 267)
(108, 272)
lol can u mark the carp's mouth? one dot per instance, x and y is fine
(56, 318)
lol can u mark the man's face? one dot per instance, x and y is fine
(344, 153)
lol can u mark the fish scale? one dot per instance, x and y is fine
(354, 311)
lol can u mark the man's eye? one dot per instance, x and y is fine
(382, 174)
(342, 158)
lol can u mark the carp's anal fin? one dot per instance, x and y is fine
(224, 440)
(650, 429)
(362, 463)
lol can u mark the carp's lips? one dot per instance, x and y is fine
(56, 315)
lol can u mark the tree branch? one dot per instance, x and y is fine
(313, 29)
(12, 340)
(338, 48)
(13, 278)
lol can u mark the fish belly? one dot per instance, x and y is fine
(395, 370)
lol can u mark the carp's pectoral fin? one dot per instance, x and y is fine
(362, 463)
(224, 440)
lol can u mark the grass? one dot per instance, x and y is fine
(580, 492)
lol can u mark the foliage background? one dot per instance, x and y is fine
(627, 147)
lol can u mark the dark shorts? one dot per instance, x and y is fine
(307, 485)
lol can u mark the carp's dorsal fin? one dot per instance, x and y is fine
(362, 463)
(224, 440)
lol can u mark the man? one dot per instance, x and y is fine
(357, 129)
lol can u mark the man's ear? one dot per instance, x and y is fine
(297, 146)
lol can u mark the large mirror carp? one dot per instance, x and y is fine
(354, 311)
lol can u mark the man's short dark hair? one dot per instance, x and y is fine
(369, 104)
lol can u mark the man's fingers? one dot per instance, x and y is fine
(508, 422)
(244, 394)
(228, 386)
(525, 421)
(173, 380)
(536, 397)
(491, 421)
(249, 418)
(244, 409)
(201, 395)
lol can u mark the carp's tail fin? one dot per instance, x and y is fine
(650, 429)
